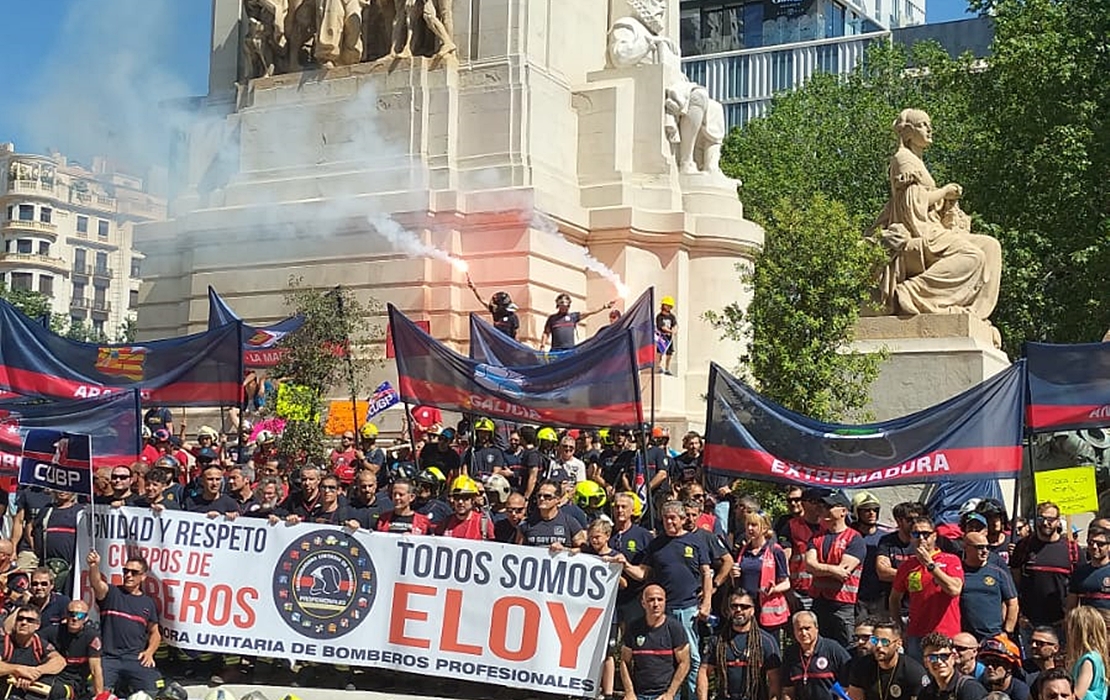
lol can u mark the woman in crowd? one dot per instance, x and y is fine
(760, 571)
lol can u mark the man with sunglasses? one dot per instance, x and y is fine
(800, 533)
(79, 643)
(945, 681)
(1044, 646)
(129, 627)
(1090, 584)
(560, 326)
(743, 658)
(630, 542)
(932, 581)
(1042, 566)
(966, 647)
(50, 604)
(508, 528)
(988, 602)
(26, 659)
(898, 546)
(550, 526)
(887, 673)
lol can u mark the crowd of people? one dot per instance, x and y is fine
(716, 598)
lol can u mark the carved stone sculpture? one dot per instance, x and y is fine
(412, 16)
(936, 264)
(338, 32)
(695, 122)
(258, 51)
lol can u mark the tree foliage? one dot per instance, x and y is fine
(315, 360)
(1025, 133)
(809, 284)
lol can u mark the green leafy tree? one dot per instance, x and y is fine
(809, 283)
(316, 359)
(32, 304)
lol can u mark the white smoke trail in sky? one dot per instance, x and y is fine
(405, 241)
(570, 251)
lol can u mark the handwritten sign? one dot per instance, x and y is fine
(340, 418)
(1073, 489)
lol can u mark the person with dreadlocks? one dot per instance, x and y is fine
(742, 658)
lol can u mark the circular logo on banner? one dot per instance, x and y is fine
(324, 584)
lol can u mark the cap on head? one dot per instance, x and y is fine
(836, 498)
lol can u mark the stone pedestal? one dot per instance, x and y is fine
(931, 358)
(287, 175)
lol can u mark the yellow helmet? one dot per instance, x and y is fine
(589, 494)
(667, 301)
(637, 504)
(484, 424)
(548, 434)
(603, 436)
(464, 485)
(368, 430)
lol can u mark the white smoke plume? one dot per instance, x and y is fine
(409, 243)
(570, 251)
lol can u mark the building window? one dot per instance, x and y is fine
(101, 228)
(78, 291)
(44, 248)
(46, 285)
(133, 299)
(8, 246)
(24, 246)
(22, 281)
(45, 214)
(79, 259)
(136, 268)
(11, 212)
(99, 301)
(26, 212)
(98, 327)
(82, 224)
(101, 262)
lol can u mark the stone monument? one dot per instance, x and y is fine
(934, 295)
(320, 157)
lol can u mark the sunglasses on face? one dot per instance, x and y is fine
(76, 614)
(1042, 643)
(120, 477)
(921, 533)
(1097, 543)
(27, 619)
(941, 658)
(963, 650)
(132, 572)
(329, 487)
(794, 500)
(546, 497)
(980, 547)
(741, 606)
(39, 584)
(880, 641)
(996, 663)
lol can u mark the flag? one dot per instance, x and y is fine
(662, 342)
(53, 459)
(595, 388)
(203, 369)
(1069, 386)
(975, 435)
(260, 343)
(124, 362)
(382, 398)
(489, 345)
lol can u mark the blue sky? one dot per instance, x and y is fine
(79, 75)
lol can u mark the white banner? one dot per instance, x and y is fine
(487, 612)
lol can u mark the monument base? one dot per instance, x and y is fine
(930, 358)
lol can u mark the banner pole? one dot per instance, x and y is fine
(340, 310)
(642, 446)
(408, 429)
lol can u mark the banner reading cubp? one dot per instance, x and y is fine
(494, 613)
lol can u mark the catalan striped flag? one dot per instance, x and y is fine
(121, 362)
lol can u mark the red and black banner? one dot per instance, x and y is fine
(595, 388)
(204, 369)
(975, 435)
(260, 343)
(489, 345)
(1069, 386)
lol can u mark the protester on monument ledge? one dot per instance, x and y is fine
(666, 326)
(561, 326)
(501, 308)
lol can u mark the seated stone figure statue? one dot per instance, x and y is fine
(936, 264)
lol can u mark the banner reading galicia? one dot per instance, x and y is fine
(1069, 386)
(56, 460)
(599, 387)
(489, 345)
(503, 614)
(975, 435)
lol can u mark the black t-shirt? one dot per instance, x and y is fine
(542, 533)
(665, 323)
(505, 320)
(960, 688)
(124, 619)
(905, 681)
(484, 460)
(530, 459)
(447, 460)
(892, 547)
(26, 655)
(76, 648)
(366, 515)
(59, 540)
(561, 329)
(1046, 568)
(505, 531)
(30, 500)
(221, 504)
(734, 647)
(652, 668)
(813, 678)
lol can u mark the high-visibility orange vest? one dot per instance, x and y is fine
(827, 587)
(773, 609)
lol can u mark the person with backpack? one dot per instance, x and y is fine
(28, 663)
(1042, 566)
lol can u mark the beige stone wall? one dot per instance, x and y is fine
(278, 181)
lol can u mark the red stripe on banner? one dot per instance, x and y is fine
(177, 393)
(49, 458)
(453, 398)
(1041, 416)
(645, 356)
(969, 462)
